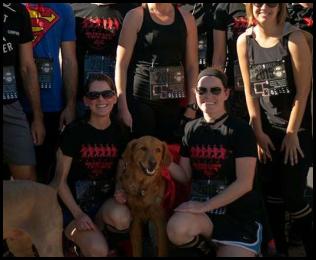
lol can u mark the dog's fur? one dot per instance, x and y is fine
(31, 213)
(144, 186)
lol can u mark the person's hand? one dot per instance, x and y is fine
(126, 118)
(290, 146)
(264, 146)
(192, 207)
(38, 131)
(190, 113)
(84, 223)
(66, 116)
(120, 196)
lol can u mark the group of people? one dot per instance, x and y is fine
(229, 83)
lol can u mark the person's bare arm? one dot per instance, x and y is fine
(128, 36)
(245, 172)
(191, 60)
(264, 141)
(307, 5)
(220, 48)
(181, 172)
(83, 222)
(30, 82)
(302, 72)
(70, 78)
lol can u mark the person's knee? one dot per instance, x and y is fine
(23, 172)
(118, 218)
(95, 249)
(177, 231)
(122, 223)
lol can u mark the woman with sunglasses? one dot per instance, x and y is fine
(87, 161)
(218, 153)
(275, 62)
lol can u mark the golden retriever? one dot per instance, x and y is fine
(144, 186)
(31, 214)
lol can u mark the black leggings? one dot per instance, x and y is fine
(284, 187)
(46, 153)
(283, 181)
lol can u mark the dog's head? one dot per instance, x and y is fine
(148, 153)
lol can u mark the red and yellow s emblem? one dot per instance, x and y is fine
(42, 18)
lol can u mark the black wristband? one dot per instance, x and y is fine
(193, 106)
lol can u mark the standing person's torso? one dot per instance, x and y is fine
(203, 14)
(272, 81)
(98, 28)
(16, 30)
(52, 24)
(231, 17)
(157, 45)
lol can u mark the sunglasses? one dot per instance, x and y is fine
(214, 90)
(92, 95)
(271, 5)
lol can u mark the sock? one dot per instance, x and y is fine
(118, 239)
(199, 246)
(303, 223)
(276, 213)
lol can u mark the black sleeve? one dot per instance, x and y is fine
(221, 17)
(26, 34)
(184, 148)
(244, 141)
(69, 141)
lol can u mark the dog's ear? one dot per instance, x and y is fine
(129, 151)
(166, 156)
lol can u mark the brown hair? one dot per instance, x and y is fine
(214, 72)
(281, 17)
(99, 77)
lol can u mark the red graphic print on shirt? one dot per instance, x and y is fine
(42, 18)
(208, 159)
(308, 21)
(240, 25)
(98, 157)
(99, 31)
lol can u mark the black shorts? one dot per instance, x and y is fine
(229, 231)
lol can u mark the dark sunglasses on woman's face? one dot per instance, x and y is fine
(214, 90)
(96, 94)
(271, 5)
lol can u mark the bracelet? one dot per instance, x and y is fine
(193, 106)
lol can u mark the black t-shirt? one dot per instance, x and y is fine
(212, 153)
(95, 153)
(301, 16)
(231, 17)
(97, 28)
(203, 14)
(16, 30)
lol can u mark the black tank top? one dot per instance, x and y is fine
(272, 81)
(157, 45)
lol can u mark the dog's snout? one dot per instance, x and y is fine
(152, 164)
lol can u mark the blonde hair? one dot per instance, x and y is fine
(281, 17)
